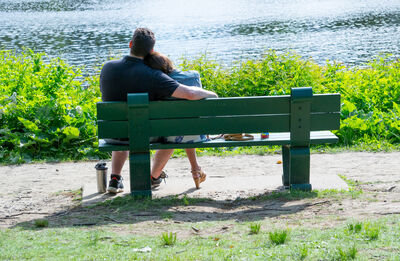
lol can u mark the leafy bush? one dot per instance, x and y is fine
(370, 111)
(47, 109)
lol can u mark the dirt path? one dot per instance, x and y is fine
(32, 191)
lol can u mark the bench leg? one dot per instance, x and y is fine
(139, 167)
(299, 165)
(286, 166)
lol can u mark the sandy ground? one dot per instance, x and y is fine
(32, 191)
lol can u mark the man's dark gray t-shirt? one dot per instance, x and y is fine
(131, 75)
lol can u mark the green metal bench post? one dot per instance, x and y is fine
(285, 163)
(139, 152)
(299, 152)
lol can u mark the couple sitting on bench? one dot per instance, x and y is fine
(146, 71)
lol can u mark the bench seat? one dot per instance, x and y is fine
(282, 138)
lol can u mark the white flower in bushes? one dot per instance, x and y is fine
(78, 109)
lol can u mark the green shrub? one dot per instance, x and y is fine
(47, 109)
(370, 94)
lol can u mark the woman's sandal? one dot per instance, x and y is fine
(238, 137)
(198, 176)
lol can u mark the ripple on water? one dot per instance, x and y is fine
(89, 31)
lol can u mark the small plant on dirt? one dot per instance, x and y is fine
(167, 215)
(303, 252)
(371, 231)
(93, 238)
(168, 239)
(185, 200)
(278, 237)
(255, 228)
(348, 254)
(41, 223)
(355, 228)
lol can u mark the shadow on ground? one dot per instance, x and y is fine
(178, 208)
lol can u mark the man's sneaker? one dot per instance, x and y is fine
(115, 185)
(156, 182)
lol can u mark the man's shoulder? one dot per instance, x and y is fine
(112, 63)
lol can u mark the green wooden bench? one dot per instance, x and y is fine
(294, 121)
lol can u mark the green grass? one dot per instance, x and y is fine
(101, 243)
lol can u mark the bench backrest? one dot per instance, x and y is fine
(299, 113)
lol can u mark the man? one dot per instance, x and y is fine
(131, 75)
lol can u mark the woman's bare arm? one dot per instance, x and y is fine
(192, 93)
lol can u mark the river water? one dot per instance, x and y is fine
(87, 32)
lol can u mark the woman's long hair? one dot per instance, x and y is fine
(159, 61)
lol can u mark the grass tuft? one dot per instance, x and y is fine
(185, 200)
(348, 254)
(371, 231)
(255, 228)
(278, 237)
(168, 239)
(303, 252)
(355, 228)
(41, 223)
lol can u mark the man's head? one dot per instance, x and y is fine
(142, 42)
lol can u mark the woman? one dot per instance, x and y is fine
(161, 62)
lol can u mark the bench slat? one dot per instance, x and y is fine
(217, 125)
(221, 106)
(317, 137)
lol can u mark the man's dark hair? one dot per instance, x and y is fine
(143, 41)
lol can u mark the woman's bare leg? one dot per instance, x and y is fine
(198, 175)
(191, 154)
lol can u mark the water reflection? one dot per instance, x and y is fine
(51, 5)
(88, 31)
(391, 19)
